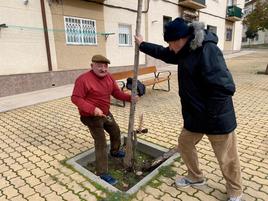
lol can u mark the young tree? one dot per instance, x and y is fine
(128, 159)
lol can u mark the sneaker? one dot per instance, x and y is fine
(118, 154)
(239, 198)
(184, 182)
(109, 179)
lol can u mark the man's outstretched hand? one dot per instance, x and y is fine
(138, 39)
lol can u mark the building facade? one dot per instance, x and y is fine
(51, 44)
(22, 38)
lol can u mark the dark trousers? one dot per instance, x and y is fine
(97, 126)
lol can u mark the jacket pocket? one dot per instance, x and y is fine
(217, 106)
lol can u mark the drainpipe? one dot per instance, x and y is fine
(46, 35)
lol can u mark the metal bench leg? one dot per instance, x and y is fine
(167, 90)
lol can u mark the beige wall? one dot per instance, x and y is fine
(155, 25)
(76, 56)
(238, 29)
(22, 43)
(151, 28)
(121, 55)
(155, 19)
(217, 8)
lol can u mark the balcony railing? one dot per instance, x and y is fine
(195, 4)
(234, 13)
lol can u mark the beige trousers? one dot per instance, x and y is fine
(225, 149)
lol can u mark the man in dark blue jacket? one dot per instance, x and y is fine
(206, 88)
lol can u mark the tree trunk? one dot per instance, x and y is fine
(266, 71)
(128, 159)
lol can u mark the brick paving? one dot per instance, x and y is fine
(35, 139)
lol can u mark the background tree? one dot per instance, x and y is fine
(251, 34)
(257, 20)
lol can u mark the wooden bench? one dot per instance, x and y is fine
(154, 77)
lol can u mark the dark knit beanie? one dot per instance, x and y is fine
(175, 30)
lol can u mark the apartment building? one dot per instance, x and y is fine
(262, 37)
(226, 23)
(49, 42)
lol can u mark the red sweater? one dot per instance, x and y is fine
(91, 91)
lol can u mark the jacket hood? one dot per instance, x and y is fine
(200, 35)
(210, 37)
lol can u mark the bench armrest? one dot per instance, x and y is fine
(121, 84)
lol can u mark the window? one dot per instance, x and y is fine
(79, 31)
(229, 34)
(124, 35)
(166, 20)
(212, 29)
(230, 2)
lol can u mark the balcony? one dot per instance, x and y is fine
(234, 13)
(194, 4)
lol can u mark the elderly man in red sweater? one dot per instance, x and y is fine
(91, 94)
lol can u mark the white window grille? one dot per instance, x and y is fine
(80, 31)
(124, 35)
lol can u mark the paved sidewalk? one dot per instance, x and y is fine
(35, 139)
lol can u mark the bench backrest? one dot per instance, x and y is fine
(125, 74)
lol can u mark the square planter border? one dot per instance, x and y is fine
(146, 147)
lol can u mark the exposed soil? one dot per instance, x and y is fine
(126, 179)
